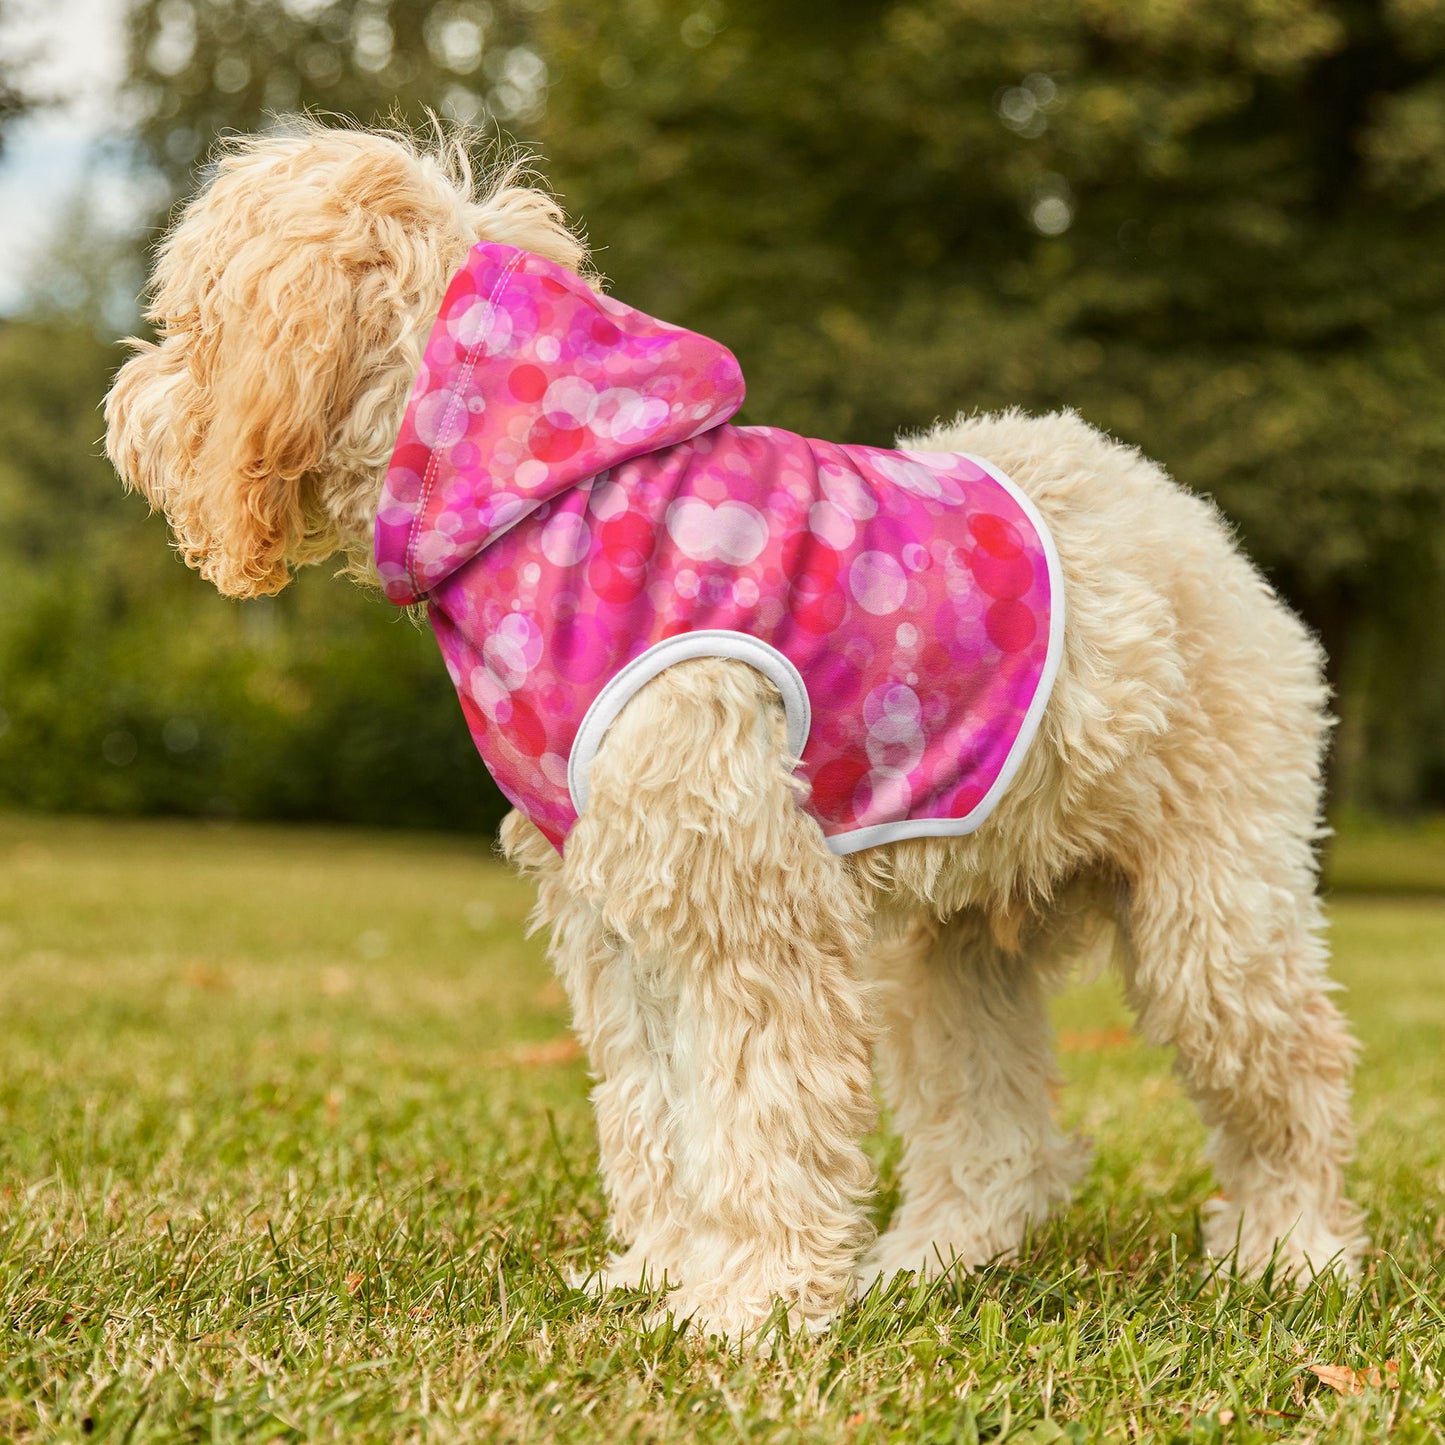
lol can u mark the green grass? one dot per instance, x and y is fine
(1373, 856)
(284, 1155)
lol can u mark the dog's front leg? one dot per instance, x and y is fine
(741, 931)
(966, 1059)
(622, 1012)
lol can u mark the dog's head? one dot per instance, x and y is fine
(291, 301)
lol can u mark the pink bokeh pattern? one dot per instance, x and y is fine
(566, 493)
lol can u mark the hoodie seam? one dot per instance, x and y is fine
(433, 465)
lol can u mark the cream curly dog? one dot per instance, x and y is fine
(730, 974)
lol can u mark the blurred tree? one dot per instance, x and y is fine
(131, 687)
(15, 98)
(1216, 227)
(127, 685)
(202, 67)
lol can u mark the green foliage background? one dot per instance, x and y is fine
(1214, 227)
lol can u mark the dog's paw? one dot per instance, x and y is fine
(957, 1243)
(897, 1254)
(632, 1270)
(753, 1324)
(1298, 1246)
(966, 1228)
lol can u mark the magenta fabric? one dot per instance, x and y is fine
(566, 493)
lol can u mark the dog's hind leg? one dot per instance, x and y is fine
(966, 1060)
(744, 931)
(1226, 962)
(1225, 955)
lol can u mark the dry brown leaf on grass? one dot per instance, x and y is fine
(1347, 1381)
(561, 1050)
(202, 975)
(335, 982)
(1096, 1041)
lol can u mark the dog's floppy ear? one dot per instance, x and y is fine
(274, 349)
(269, 348)
(220, 423)
(284, 286)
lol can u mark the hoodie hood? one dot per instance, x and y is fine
(531, 384)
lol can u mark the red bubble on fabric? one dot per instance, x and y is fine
(628, 540)
(819, 613)
(1002, 577)
(460, 293)
(834, 785)
(527, 382)
(996, 535)
(613, 583)
(937, 661)
(810, 565)
(525, 728)
(476, 718)
(1010, 625)
(411, 456)
(549, 443)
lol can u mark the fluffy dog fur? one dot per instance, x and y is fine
(729, 976)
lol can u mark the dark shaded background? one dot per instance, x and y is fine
(1214, 227)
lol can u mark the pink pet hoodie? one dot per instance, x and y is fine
(569, 499)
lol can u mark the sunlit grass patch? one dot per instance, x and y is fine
(292, 1146)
